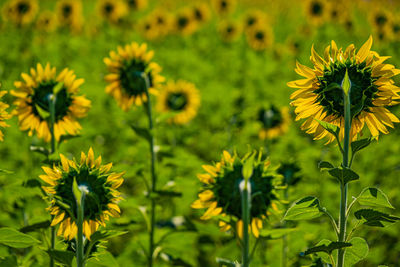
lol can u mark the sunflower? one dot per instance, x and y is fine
(260, 37)
(201, 12)
(148, 29)
(253, 18)
(275, 122)
(380, 18)
(317, 11)
(22, 12)
(158, 24)
(126, 66)
(395, 29)
(224, 7)
(33, 96)
(220, 194)
(69, 14)
(46, 21)
(180, 97)
(185, 22)
(319, 95)
(101, 199)
(4, 115)
(137, 4)
(229, 30)
(111, 10)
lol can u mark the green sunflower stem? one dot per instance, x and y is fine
(80, 260)
(52, 109)
(153, 171)
(346, 85)
(245, 190)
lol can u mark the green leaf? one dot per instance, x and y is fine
(32, 183)
(10, 261)
(344, 175)
(58, 87)
(15, 239)
(374, 197)
(35, 226)
(77, 192)
(358, 251)
(326, 248)
(6, 171)
(42, 113)
(375, 218)
(227, 263)
(63, 257)
(104, 235)
(360, 144)
(276, 233)
(333, 129)
(168, 193)
(142, 132)
(67, 137)
(102, 259)
(325, 165)
(304, 209)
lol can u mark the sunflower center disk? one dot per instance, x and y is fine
(41, 100)
(131, 78)
(23, 8)
(96, 200)
(227, 191)
(362, 93)
(66, 11)
(270, 118)
(177, 101)
(316, 9)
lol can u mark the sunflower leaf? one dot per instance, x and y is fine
(142, 132)
(104, 235)
(276, 233)
(304, 209)
(35, 226)
(344, 175)
(227, 263)
(360, 144)
(63, 257)
(355, 253)
(15, 239)
(326, 248)
(375, 218)
(374, 197)
(325, 165)
(333, 129)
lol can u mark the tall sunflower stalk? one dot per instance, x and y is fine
(345, 91)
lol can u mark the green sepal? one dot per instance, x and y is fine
(343, 174)
(360, 144)
(325, 165)
(67, 137)
(142, 132)
(227, 263)
(276, 233)
(62, 257)
(58, 87)
(247, 170)
(346, 83)
(42, 113)
(304, 209)
(77, 192)
(374, 197)
(326, 248)
(375, 218)
(104, 235)
(15, 239)
(357, 252)
(333, 129)
(40, 149)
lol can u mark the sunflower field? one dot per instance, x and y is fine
(199, 133)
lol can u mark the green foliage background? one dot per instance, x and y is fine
(224, 73)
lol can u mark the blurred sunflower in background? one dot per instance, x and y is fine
(136, 5)
(126, 67)
(224, 7)
(260, 37)
(100, 201)
(33, 100)
(111, 10)
(47, 21)
(319, 95)
(201, 12)
(317, 11)
(220, 193)
(69, 14)
(22, 12)
(380, 18)
(148, 29)
(180, 97)
(274, 122)
(161, 22)
(184, 22)
(253, 18)
(229, 30)
(4, 115)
